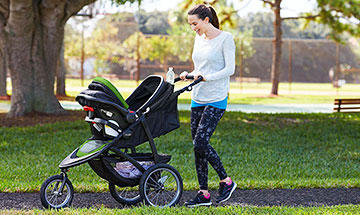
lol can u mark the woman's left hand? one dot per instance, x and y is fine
(198, 76)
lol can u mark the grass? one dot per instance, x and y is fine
(258, 151)
(245, 93)
(229, 210)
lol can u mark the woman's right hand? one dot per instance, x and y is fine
(183, 75)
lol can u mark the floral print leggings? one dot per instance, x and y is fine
(203, 123)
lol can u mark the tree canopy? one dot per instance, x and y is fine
(340, 15)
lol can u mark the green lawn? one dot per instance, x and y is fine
(258, 150)
(246, 93)
(228, 210)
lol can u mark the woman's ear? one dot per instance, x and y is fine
(206, 20)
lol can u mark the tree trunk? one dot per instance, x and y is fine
(32, 31)
(60, 74)
(276, 52)
(3, 71)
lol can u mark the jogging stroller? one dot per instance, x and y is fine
(118, 126)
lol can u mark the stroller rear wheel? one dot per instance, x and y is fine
(161, 185)
(125, 195)
(56, 193)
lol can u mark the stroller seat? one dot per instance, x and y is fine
(107, 83)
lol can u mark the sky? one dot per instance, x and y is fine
(290, 7)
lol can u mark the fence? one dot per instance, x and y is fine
(302, 61)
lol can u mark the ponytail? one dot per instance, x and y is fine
(202, 11)
(214, 19)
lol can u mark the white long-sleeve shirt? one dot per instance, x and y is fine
(215, 60)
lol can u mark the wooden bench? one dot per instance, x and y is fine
(347, 105)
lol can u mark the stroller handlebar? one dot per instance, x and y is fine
(190, 86)
(190, 77)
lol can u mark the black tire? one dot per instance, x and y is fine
(50, 196)
(125, 195)
(161, 185)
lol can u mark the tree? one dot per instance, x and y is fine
(153, 23)
(61, 74)
(183, 40)
(340, 15)
(104, 46)
(3, 71)
(31, 33)
(261, 24)
(159, 48)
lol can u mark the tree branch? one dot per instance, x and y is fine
(301, 17)
(269, 2)
(74, 6)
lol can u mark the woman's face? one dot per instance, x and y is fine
(198, 25)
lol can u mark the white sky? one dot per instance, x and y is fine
(290, 7)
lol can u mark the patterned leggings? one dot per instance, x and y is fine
(203, 123)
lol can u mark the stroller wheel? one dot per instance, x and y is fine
(125, 195)
(161, 185)
(56, 194)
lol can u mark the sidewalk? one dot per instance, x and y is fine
(308, 197)
(280, 108)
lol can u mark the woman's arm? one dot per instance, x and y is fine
(228, 50)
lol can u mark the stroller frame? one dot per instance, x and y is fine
(154, 173)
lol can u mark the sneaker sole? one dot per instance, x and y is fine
(227, 198)
(197, 205)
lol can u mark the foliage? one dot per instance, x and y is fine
(340, 15)
(125, 1)
(152, 22)
(184, 36)
(72, 42)
(124, 22)
(130, 45)
(269, 150)
(104, 44)
(183, 40)
(261, 24)
(159, 48)
(243, 43)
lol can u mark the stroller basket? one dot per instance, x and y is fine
(121, 172)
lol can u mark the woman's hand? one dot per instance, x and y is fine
(183, 75)
(198, 76)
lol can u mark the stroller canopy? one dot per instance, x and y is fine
(152, 90)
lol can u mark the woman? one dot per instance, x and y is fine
(214, 60)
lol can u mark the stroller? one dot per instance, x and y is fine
(118, 126)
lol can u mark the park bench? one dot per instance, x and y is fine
(347, 105)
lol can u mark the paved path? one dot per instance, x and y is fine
(276, 197)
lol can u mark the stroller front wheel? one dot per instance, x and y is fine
(124, 195)
(56, 192)
(161, 185)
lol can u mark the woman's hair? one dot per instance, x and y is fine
(202, 11)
